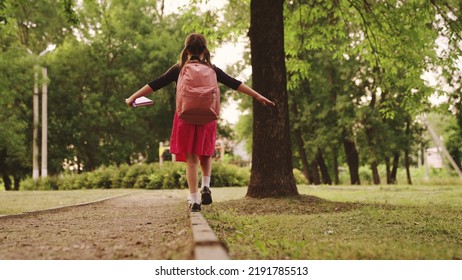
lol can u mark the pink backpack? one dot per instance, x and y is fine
(197, 94)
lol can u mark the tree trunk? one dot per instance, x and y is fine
(333, 77)
(335, 162)
(302, 152)
(301, 147)
(352, 159)
(407, 162)
(17, 181)
(387, 169)
(375, 173)
(7, 182)
(271, 173)
(314, 172)
(394, 169)
(370, 135)
(323, 168)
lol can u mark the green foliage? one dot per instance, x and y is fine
(15, 98)
(300, 179)
(354, 70)
(95, 72)
(229, 175)
(170, 175)
(139, 176)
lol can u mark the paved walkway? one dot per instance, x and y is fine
(138, 226)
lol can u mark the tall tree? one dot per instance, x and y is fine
(25, 27)
(117, 50)
(271, 174)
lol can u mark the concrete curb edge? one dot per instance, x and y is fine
(61, 207)
(207, 246)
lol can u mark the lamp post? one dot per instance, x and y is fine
(44, 123)
(35, 149)
(35, 124)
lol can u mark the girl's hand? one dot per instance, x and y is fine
(264, 101)
(129, 101)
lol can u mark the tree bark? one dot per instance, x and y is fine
(394, 169)
(375, 173)
(314, 172)
(301, 147)
(323, 168)
(271, 174)
(6, 182)
(387, 169)
(335, 163)
(302, 153)
(352, 159)
(17, 182)
(407, 162)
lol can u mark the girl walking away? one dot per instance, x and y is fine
(197, 105)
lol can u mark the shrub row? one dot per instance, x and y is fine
(140, 176)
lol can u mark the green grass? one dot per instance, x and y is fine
(349, 222)
(325, 222)
(25, 201)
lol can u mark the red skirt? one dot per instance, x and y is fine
(192, 139)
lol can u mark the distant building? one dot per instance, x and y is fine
(434, 157)
(239, 150)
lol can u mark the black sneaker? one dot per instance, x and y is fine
(206, 197)
(195, 207)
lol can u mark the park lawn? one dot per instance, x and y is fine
(348, 222)
(25, 201)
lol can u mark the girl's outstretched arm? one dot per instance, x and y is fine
(141, 92)
(260, 98)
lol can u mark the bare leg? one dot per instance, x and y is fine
(206, 166)
(192, 162)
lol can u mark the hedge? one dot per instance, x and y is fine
(140, 176)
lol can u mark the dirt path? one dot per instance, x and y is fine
(139, 226)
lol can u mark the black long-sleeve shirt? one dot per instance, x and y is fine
(172, 76)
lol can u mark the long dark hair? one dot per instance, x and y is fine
(196, 45)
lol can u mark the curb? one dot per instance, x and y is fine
(207, 246)
(60, 207)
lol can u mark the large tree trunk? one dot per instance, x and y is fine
(271, 174)
(352, 159)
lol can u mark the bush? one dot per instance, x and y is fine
(134, 172)
(48, 183)
(226, 175)
(300, 178)
(118, 175)
(142, 176)
(171, 175)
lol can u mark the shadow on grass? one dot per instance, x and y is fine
(295, 205)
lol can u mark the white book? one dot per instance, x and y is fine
(142, 101)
